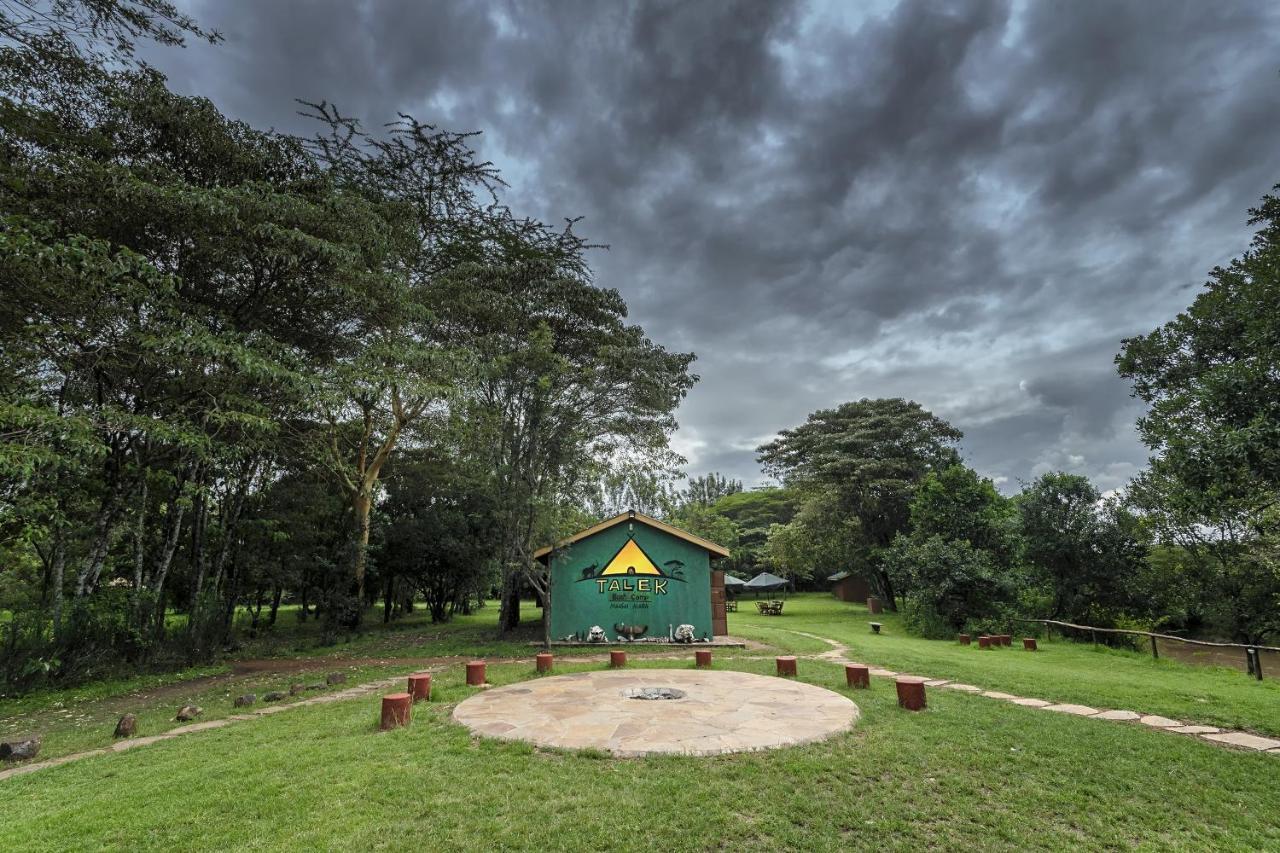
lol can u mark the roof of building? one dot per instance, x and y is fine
(839, 576)
(632, 515)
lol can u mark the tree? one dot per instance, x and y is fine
(1086, 552)
(959, 557)
(871, 455)
(559, 385)
(709, 489)
(1211, 377)
(439, 530)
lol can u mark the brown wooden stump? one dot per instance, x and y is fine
(396, 710)
(874, 606)
(420, 686)
(543, 661)
(475, 673)
(911, 692)
(964, 639)
(1006, 639)
(702, 659)
(857, 675)
(617, 659)
(787, 665)
(984, 642)
(1029, 643)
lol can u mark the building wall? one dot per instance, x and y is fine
(581, 599)
(851, 589)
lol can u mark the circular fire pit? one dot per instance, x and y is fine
(692, 712)
(652, 693)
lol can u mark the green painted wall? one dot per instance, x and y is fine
(578, 601)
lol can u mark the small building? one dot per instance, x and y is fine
(849, 587)
(635, 577)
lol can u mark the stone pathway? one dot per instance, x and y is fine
(710, 712)
(1212, 734)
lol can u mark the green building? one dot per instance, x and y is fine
(634, 576)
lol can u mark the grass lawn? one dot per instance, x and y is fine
(1060, 671)
(967, 774)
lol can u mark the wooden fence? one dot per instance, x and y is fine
(1253, 655)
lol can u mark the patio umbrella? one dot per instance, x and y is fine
(765, 582)
(731, 581)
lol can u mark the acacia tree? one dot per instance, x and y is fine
(558, 385)
(870, 455)
(180, 275)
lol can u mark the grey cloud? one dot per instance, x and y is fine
(965, 203)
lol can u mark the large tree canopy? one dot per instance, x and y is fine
(872, 455)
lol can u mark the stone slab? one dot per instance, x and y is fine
(965, 688)
(1123, 716)
(1157, 722)
(1030, 703)
(1067, 708)
(1196, 730)
(1244, 740)
(995, 694)
(720, 712)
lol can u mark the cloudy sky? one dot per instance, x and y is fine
(965, 204)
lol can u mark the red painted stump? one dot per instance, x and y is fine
(420, 686)
(857, 675)
(874, 606)
(702, 659)
(964, 639)
(1029, 643)
(617, 659)
(544, 661)
(396, 710)
(911, 692)
(1006, 639)
(475, 673)
(787, 665)
(984, 642)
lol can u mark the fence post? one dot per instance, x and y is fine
(1155, 653)
(1254, 659)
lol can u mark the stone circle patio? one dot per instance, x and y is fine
(619, 711)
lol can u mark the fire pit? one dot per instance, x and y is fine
(714, 712)
(652, 693)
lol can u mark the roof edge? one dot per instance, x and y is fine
(632, 515)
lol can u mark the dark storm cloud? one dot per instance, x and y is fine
(966, 204)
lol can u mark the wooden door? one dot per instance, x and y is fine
(719, 619)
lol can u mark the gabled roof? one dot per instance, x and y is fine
(632, 515)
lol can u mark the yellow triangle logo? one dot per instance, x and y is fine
(630, 561)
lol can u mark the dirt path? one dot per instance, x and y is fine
(249, 669)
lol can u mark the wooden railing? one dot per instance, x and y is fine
(1253, 661)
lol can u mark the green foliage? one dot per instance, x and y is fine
(870, 456)
(1088, 553)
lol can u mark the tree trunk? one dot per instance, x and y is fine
(386, 600)
(886, 586)
(57, 569)
(361, 505)
(509, 607)
(275, 604)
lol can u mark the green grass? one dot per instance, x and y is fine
(1061, 671)
(968, 774)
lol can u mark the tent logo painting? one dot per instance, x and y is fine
(631, 576)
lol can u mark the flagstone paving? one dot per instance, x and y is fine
(720, 712)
